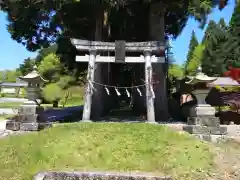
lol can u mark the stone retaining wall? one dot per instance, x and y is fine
(95, 176)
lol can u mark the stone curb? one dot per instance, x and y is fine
(95, 175)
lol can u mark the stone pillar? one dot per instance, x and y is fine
(157, 33)
(149, 94)
(89, 91)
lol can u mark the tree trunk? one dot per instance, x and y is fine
(97, 100)
(157, 33)
(55, 104)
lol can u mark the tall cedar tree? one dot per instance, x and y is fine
(193, 44)
(38, 24)
(222, 24)
(231, 48)
(213, 40)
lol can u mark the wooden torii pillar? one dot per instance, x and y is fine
(120, 48)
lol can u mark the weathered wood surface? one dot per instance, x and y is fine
(89, 89)
(111, 59)
(148, 80)
(84, 45)
(98, 96)
(157, 28)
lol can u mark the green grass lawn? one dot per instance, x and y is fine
(105, 147)
(12, 95)
(5, 117)
(17, 104)
(10, 104)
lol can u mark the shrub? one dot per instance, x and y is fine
(76, 95)
(65, 81)
(65, 98)
(52, 93)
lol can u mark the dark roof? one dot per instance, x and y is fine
(217, 98)
(13, 84)
(224, 81)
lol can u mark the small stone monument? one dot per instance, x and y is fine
(202, 120)
(29, 112)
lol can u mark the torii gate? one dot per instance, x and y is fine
(120, 48)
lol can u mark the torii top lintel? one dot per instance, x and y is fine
(85, 45)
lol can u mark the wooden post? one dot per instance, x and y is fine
(148, 80)
(89, 91)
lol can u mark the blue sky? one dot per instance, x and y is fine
(180, 45)
(12, 53)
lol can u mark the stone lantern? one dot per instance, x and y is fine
(35, 81)
(201, 90)
(29, 112)
(202, 120)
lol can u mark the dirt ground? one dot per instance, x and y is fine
(227, 160)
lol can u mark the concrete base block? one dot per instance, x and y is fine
(211, 138)
(196, 129)
(204, 121)
(19, 126)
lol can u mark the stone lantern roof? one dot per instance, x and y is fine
(200, 78)
(33, 76)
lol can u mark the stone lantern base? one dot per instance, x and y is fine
(28, 118)
(21, 126)
(203, 115)
(203, 123)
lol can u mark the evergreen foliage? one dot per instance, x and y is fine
(193, 44)
(215, 37)
(222, 24)
(231, 48)
(196, 59)
(38, 24)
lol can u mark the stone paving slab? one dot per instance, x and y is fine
(3, 124)
(212, 138)
(233, 130)
(197, 129)
(96, 175)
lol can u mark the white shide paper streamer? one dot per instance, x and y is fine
(106, 89)
(139, 92)
(128, 94)
(118, 93)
